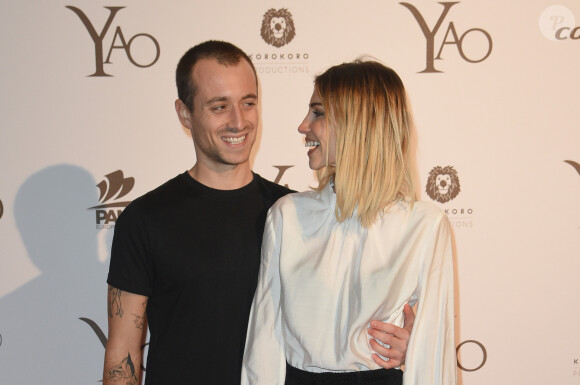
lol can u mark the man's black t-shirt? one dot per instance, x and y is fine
(195, 252)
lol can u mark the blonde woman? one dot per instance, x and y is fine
(356, 249)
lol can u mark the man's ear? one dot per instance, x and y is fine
(183, 113)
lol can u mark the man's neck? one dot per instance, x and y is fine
(230, 178)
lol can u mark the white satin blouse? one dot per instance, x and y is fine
(321, 282)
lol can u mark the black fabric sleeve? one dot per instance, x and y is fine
(131, 266)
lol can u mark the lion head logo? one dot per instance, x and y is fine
(277, 27)
(443, 184)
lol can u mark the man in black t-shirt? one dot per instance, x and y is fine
(186, 255)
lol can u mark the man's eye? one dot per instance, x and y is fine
(219, 108)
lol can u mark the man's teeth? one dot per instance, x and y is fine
(312, 143)
(234, 140)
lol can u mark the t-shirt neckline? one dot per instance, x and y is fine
(197, 185)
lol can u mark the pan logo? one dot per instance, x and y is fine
(278, 27)
(557, 23)
(114, 186)
(475, 39)
(119, 42)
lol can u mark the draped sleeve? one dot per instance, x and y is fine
(431, 356)
(264, 361)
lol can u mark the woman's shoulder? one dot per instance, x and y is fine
(428, 209)
(299, 199)
(428, 214)
(297, 206)
(419, 211)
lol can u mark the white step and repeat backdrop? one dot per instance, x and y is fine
(87, 124)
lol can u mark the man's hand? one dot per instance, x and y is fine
(397, 338)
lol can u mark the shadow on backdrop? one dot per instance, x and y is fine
(43, 339)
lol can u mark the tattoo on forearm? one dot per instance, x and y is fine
(114, 308)
(139, 321)
(124, 373)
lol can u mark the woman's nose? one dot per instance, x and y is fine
(304, 127)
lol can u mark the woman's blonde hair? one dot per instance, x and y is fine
(365, 104)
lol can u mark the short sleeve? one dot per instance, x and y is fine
(131, 264)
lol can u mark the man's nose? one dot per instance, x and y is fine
(237, 118)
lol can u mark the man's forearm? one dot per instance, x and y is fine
(122, 367)
(127, 332)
